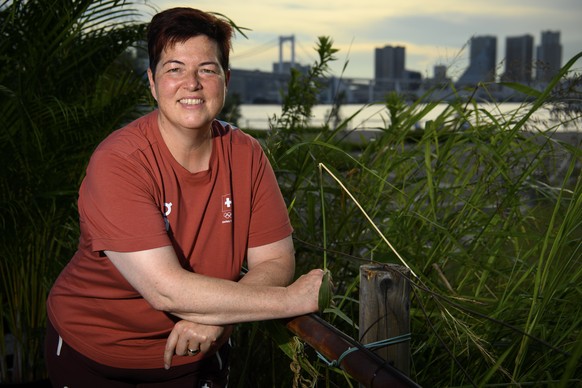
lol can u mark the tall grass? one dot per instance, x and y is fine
(486, 209)
(64, 86)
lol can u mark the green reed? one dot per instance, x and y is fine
(484, 206)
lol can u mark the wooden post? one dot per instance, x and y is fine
(385, 311)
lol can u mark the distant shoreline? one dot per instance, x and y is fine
(374, 116)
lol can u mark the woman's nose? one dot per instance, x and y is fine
(193, 81)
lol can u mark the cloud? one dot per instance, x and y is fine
(432, 31)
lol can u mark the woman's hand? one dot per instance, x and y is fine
(303, 294)
(190, 339)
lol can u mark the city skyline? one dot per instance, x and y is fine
(432, 33)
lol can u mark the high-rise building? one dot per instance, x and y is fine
(549, 56)
(518, 59)
(389, 67)
(482, 61)
(440, 73)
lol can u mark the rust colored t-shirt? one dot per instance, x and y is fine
(136, 196)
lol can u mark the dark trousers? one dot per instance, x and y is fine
(68, 368)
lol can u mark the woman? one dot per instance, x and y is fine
(170, 208)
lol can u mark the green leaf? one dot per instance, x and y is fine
(325, 291)
(522, 88)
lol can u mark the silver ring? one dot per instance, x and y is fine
(193, 352)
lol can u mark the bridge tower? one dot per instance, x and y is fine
(282, 41)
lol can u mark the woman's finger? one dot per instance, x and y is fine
(170, 349)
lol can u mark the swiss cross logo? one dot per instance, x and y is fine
(226, 209)
(226, 203)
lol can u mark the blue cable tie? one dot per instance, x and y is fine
(371, 346)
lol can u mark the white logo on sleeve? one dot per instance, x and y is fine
(226, 209)
(167, 211)
(168, 208)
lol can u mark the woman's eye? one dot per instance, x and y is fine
(208, 70)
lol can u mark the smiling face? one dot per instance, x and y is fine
(189, 84)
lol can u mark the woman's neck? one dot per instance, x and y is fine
(191, 148)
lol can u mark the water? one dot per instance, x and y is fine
(375, 116)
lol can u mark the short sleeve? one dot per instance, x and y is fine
(118, 207)
(269, 216)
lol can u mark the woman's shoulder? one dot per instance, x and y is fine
(233, 134)
(136, 135)
(222, 128)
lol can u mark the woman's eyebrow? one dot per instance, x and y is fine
(214, 63)
(170, 61)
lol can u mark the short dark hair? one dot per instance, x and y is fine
(177, 25)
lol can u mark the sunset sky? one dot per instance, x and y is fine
(433, 32)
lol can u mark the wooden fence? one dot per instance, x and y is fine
(382, 356)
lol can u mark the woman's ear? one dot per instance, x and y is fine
(152, 83)
(227, 78)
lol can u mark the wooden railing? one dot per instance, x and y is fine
(365, 366)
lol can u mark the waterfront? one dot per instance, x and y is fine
(375, 116)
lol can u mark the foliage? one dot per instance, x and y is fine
(231, 110)
(302, 95)
(486, 209)
(64, 85)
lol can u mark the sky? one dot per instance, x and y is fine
(433, 32)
